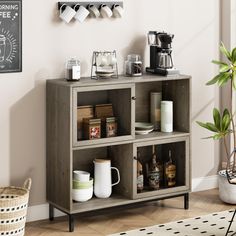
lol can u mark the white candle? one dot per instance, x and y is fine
(166, 116)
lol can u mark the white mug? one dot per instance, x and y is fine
(93, 10)
(111, 60)
(101, 60)
(81, 13)
(67, 14)
(80, 175)
(106, 11)
(118, 11)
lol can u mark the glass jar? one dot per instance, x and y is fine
(133, 65)
(72, 70)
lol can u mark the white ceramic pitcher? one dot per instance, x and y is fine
(102, 178)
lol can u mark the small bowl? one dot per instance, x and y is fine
(81, 175)
(82, 195)
(82, 185)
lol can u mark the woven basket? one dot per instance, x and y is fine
(13, 209)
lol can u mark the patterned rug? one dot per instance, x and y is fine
(215, 224)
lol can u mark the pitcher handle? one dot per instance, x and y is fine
(118, 175)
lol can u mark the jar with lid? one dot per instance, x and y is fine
(133, 65)
(72, 69)
(111, 127)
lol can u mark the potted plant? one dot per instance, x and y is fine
(223, 125)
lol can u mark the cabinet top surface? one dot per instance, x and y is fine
(87, 81)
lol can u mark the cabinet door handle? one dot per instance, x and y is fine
(134, 98)
(135, 158)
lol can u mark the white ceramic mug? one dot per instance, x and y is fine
(67, 14)
(80, 175)
(81, 13)
(101, 60)
(118, 11)
(111, 60)
(93, 10)
(106, 11)
(102, 178)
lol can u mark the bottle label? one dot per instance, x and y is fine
(76, 72)
(170, 174)
(154, 179)
(140, 182)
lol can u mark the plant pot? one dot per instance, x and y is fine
(227, 191)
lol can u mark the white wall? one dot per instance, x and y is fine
(48, 42)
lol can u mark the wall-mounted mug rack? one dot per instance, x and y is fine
(80, 10)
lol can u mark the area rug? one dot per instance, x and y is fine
(215, 224)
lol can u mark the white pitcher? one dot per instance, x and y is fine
(102, 178)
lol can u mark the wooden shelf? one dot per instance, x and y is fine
(117, 200)
(160, 136)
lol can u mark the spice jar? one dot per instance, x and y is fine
(72, 70)
(92, 128)
(111, 127)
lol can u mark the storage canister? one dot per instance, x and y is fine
(166, 116)
(92, 128)
(111, 127)
(155, 109)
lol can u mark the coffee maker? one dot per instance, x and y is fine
(160, 53)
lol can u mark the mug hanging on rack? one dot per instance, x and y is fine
(67, 14)
(104, 65)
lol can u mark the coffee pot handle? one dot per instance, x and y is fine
(118, 175)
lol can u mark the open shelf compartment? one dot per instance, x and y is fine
(120, 98)
(177, 91)
(180, 156)
(121, 157)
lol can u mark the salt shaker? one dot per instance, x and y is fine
(73, 70)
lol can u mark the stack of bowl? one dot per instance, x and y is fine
(82, 186)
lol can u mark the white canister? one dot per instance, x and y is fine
(102, 178)
(155, 109)
(166, 116)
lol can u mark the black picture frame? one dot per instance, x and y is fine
(10, 36)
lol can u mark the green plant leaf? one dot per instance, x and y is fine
(226, 112)
(225, 51)
(217, 136)
(224, 78)
(221, 63)
(225, 122)
(233, 55)
(217, 118)
(234, 79)
(224, 68)
(214, 80)
(211, 127)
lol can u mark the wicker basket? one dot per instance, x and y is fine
(13, 209)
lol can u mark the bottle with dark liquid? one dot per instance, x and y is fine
(170, 172)
(139, 174)
(153, 172)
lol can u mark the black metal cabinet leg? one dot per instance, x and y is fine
(71, 223)
(51, 212)
(232, 219)
(186, 201)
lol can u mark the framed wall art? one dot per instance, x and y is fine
(10, 36)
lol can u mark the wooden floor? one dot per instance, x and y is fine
(127, 218)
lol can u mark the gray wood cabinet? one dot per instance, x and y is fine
(130, 98)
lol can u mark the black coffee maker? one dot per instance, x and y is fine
(160, 53)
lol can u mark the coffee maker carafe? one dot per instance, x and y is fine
(160, 53)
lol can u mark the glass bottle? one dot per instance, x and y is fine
(72, 70)
(139, 174)
(154, 172)
(170, 172)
